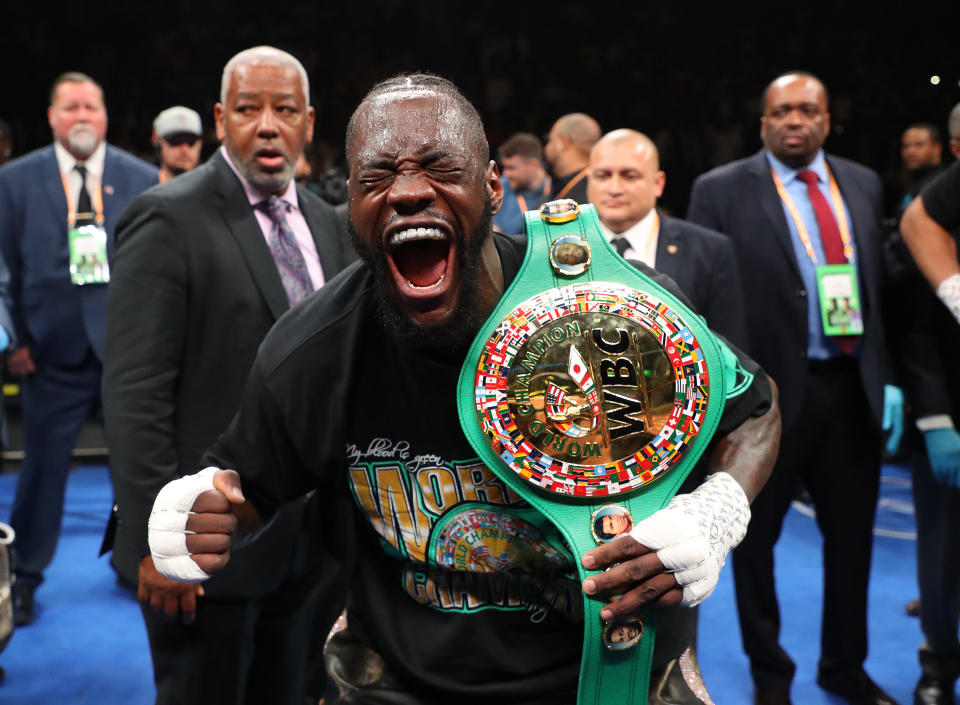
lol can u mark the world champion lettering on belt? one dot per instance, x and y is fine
(589, 392)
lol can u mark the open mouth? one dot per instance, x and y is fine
(270, 159)
(420, 258)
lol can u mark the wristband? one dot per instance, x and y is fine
(949, 293)
(167, 526)
(694, 533)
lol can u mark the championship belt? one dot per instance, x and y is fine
(591, 392)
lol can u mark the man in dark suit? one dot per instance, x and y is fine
(55, 204)
(624, 183)
(790, 210)
(204, 267)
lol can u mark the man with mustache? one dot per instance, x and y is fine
(353, 394)
(59, 207)
(205, 264)
(806, 229)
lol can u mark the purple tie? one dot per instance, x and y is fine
(286, 253)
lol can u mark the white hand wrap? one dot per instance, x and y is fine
(949, 293)
(167, 527)
(694, 533)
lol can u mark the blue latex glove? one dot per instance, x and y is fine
(893, 416)
(943, 451)
(4, 339)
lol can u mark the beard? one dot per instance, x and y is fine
(82, 140)
(275, 182)
(458, 330)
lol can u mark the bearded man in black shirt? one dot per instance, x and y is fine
(353, 394)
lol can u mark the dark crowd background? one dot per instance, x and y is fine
(688, 74)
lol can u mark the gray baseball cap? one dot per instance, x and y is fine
(178, 120)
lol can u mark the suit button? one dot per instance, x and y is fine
(802, 293)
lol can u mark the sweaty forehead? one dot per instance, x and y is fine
(411, 122)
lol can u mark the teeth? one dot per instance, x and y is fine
(430, 286)
(412, 234)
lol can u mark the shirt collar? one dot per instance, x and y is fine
(787, 174)
(253, 194)
(94, 163)
(636, 233)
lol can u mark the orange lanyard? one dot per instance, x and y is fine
(545, 191)
(838, 210)
(573, 182)
(96, 199)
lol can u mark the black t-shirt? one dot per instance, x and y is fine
(941, 198)
(464, 590)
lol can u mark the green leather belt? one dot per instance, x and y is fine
(591, 391)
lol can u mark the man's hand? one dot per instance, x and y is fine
(892, 416)
(943, 451)
(171, 597)
(691, 536)
(192, 522)
(634, 572)
(20, 363)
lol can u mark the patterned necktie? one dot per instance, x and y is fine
(286, 252)
(829, 238)
(621, 244)
(84, 207)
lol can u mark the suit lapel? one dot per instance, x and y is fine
(857, 204)
(109, 184)
(243, 226)
(53, 185)
(326, 241)
(668, 249)
(765, 191)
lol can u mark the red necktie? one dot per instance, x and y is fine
(829, 238)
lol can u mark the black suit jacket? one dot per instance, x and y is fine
(703, 264)
(194, 291)
(740, 200)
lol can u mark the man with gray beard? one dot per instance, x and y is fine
(58, 209)
(206, 263)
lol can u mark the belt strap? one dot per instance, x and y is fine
(592, 391)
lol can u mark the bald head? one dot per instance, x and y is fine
(625, 179)
(625, 140)
(569, 143)
(953, 127)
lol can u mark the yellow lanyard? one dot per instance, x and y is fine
(838, 209)
(96, 200)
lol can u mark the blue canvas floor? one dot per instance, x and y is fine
(88, 645)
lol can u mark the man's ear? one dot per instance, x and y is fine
(494, 186)
(218, 120)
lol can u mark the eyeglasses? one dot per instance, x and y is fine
(181, 138)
